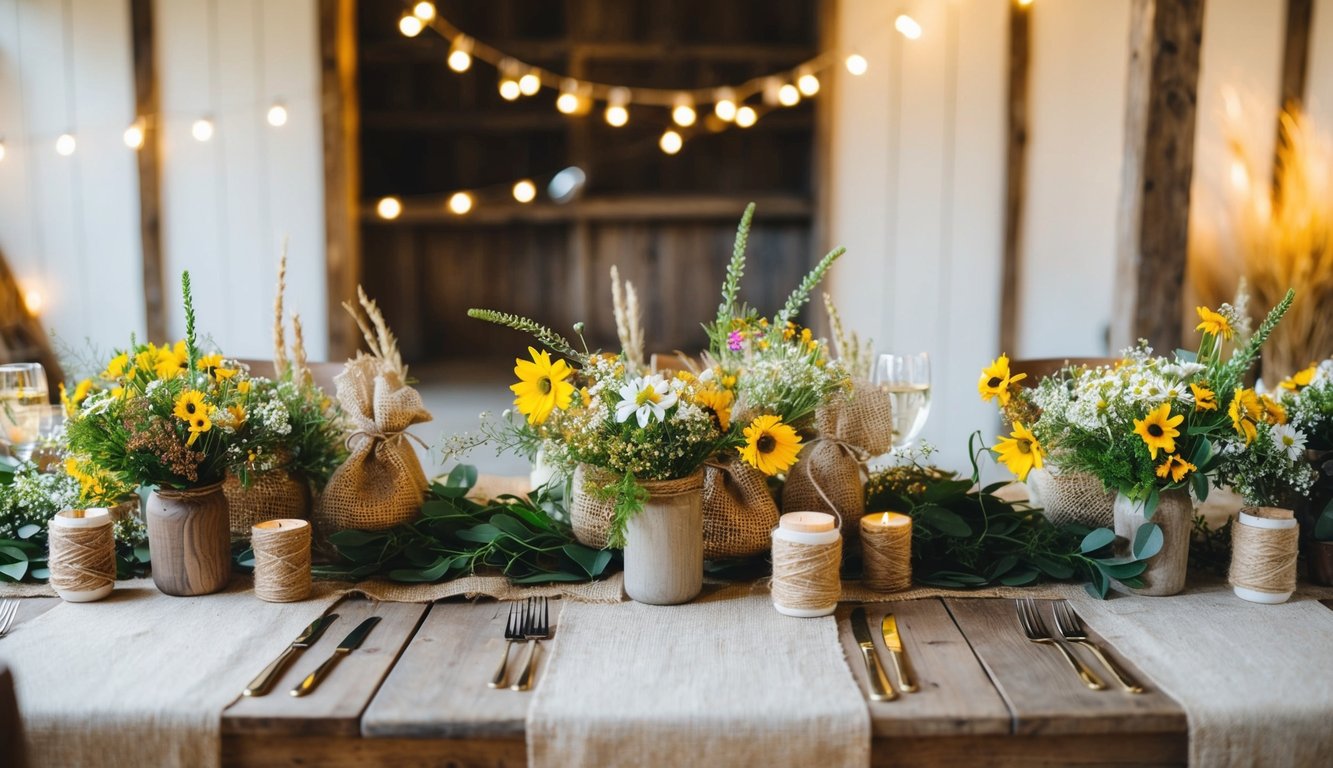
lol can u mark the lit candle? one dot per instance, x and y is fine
(807, 555)
(282, 560)
(808, 522)
(886, 550)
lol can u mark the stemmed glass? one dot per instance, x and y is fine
(907, 380)
(23, 392)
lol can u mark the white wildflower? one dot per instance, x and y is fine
(645, 397)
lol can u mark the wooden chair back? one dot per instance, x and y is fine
(1039, 368)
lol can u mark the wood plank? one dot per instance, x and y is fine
(305, 751)
(1291, 91)
(1153, 227)
(342, 174)
(438, 688)
(149, 157)
(620, 209)
(956, 696)
(1021, 751)
(1043, 693)
(1016, 144)
(335, 707)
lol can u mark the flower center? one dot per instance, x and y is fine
(1155, 430)
(189, 407)
(1025, 446)
(544, 384)
(647, 396)
(995, 382)
(766, 444)
(1288, 440)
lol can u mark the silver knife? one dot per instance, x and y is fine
(349, 644)
(880, 690)
(894, 642)
(261, 684)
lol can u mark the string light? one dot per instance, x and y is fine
(683, 113)
(807, 83)
(857, 64)
(525, 191)
(460, 203)
(725, 105)
(568, 100)
(908, 26)
(2, 150)
(617, 108)
(424, 10)
(1024, 3)
(65, 145)
(202, 130)
(671, 142)
(277, 115)
(509, 90)
(788, 95)
(134, 135)
(33, 300)
(389, 208)
(746, 117)
(529, 83)
(410, 26)
(460, 54)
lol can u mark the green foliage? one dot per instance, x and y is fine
(521, 537)
(549, 338)
(801, 295)
(1210, 548)
(1234, 370)
(731, 286)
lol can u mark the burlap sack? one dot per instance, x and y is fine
(830, 473)
(274, 495)
(381, 484)
(865, 418)
(590, 517)
(1071, 497)
(739, 512)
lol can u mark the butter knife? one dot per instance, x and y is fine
(894, 642)
(261, 684)
(880, 690)
(349, 644)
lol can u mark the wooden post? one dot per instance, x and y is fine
(342, 173)
(146, 104)
(1016, 144)
(1160, 104)
(1291, 94)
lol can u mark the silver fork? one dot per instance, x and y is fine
(1035, 629)
(513, 634)
(536, 628)
(1071, 628)
(8, 610)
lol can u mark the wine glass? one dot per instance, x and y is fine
(23, 392)
(907, 380)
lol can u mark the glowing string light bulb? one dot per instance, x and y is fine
(671, 142)
(133, 135)
(460, 54)
(683, 113)
(33, 300)
(529, 83)
(857, 64)
(202, 130)
(460, 203)
(788, 95)
(424, 10)
(617, 107)
(807, 83)
(277, 115)
(2, 150)
(65, 145)
(568, 100)
(410, 26)
(907, 26)
(746, 117)
(725, 105)
(389, 208)
(525, 191)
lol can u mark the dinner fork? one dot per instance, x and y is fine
(513, 634)
(536, 628)
(1035, 629)
(1071, 628)
(8, 610)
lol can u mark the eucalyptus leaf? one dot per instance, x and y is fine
(1056, 569)
(352, 538)
(1021, 578)
(1123, 571)
(1323, 525)
(1199, 481)
(15, 571)
(480, 534)
(1096, 539)
(1150, 506)
(943, 520)
(29, 530)
(1148, 541)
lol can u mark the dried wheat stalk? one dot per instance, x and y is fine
(280, 365)
(381, 340)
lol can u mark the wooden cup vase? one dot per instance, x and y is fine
(189, 538)
(664, 544)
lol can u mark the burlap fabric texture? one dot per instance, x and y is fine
(1071, 497)
(278, 494)
(590, 517)
(381, 484)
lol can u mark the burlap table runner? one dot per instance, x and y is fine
(724, 680)
(140, 679)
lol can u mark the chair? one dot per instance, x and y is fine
(11, 728)
(323, 373)
(1039, 368)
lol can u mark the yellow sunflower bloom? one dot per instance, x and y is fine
(244, 388)
(146, 359)
(1175, 468)
(119, 366)
(1214, 324)
(719, 401)
(237, 414)
(995, 380)
(172, 361)
(1020, 452)
(770, 446)
(1299, 380)
(208, 362)
(1204, 398)
(542, 386)
(190, 404)
(199, 424)
(1245, 411)
(1273, 411)
(1158, 429)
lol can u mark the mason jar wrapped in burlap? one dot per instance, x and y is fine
(739, 512)
(1071, 497)
(589, 516)
(278, 494)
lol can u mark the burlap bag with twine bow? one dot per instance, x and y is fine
(381, 484)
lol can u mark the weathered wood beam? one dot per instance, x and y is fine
(342, 173)
(1291, 92)
(1016, 144)
(1160, 104)
(146, 103)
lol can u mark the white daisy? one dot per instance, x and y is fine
(645, 397)
(1290, 440)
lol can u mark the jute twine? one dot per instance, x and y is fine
(806, 576)
(282, 560)
(886, 552)
(1264, 559)
(591, 517)
(82, 559)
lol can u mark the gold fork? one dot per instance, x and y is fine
(1035, 629)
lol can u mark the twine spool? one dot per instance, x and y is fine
(886, 552)
(1264, 545)
(282, 560)
(82, 557)
(807, 556)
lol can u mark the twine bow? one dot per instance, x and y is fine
(858, 453)
(373, 433)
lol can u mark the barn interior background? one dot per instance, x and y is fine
(983, 171)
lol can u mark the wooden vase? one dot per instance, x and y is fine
(1165, 574)
(189, 540)
(664, 543)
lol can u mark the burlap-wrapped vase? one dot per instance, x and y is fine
(381, 484)
(1071, 497)
(865, 418)
(739, 512)
(278, 494)
(590, 517)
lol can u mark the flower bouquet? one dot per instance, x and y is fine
(1149, 427)
(1308, 399)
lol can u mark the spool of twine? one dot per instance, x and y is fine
(886, 552)
(282, 560)
(82, 556)
(1263, 559)
(806, 566)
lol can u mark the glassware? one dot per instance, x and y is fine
(48, 450)
(907, 380)
(23, 392)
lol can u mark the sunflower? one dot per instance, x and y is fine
(1204, 398)
(172, 361)
(208, 362)
(199, 424)
(1274, 412)
(718, 401)
(542, 386)
(71, 402)
(189, 405)
(1245, 410)
(996, 379)
(119, 366)
(1175, 468)
(1020, 452)
(244, 388)
(1214, 323)
(1299, 380)
(1158, 429)
(770, 446)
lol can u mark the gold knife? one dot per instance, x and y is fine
(880, 689)
(349, 644)
(261, 684)
(894, 642)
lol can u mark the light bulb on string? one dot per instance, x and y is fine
(771, 91)
(133, 135)
(907, 26)
(671, 142)
(568, 100)
(65, 145)
(788, 95)
(509, 90)
(2, 149)
(525, 191)
(202, 130)
(682, 113)
(746, 116)
(410, 25)
(807, 83)
(460, 203)
(617, 107)
(389, 208)
(1024, 3)
(725, 104)
(277, 115)
(857, 64)
(424, 10)
(460, 54)
(529, 83)
(33, 300)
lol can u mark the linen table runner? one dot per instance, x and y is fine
(141, 678)
(724, 680)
